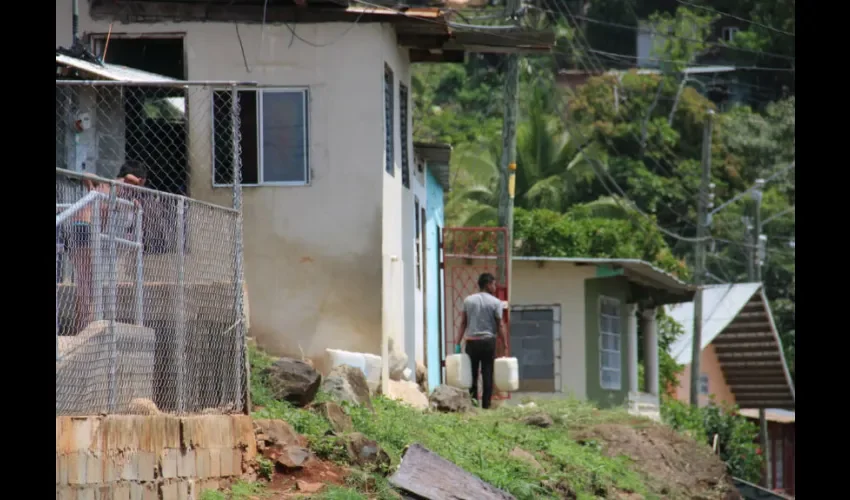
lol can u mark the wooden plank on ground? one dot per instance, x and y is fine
(424, 474)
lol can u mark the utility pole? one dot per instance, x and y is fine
(755, 261)
(508, 160)
(699, 264)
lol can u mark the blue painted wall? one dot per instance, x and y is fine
(433, 225)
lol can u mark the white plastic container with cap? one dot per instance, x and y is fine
(505, 374)
(459, 370)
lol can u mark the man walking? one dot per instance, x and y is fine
(481, 326)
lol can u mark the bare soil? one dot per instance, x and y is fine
(284, 483)
(674, 465)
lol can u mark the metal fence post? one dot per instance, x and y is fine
(140, 275)
(240, 351)
(180, 306)
(97, 248)
(113, 299)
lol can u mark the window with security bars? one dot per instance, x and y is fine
(273, 137)
(610, 350)
(389, 111)
(703, 384)
(405, 141)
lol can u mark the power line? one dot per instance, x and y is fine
(668, 35)
(731, 16)
(614, 55)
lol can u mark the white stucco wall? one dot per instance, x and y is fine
(312, 253)
(559, 283)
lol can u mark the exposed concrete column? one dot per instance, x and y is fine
(650, 349)
(632, 347)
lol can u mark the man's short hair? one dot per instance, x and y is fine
(132, 167)
(484, 280)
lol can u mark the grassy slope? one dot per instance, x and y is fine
(479, 443)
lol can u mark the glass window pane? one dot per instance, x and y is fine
(284, 137)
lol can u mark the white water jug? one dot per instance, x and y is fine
(506, 374)
(459, 371)
(337, 357)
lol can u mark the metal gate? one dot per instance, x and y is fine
(466, 253)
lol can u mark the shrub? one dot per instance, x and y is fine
(736, 436)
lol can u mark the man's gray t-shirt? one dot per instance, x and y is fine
(483, 314)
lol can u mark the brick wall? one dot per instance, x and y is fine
(162, 457)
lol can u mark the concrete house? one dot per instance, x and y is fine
(575, 323)
(341, 216)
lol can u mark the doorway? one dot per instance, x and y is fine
(535, 334)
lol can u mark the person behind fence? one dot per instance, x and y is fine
(78, 238)
(481, 326)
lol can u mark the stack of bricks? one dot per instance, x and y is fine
(160, 457)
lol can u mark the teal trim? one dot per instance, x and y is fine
(616, 287)
(603, 271)
(434, 316)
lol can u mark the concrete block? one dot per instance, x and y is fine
(76, 464)
(215, 463)
(186, 464)
(136, 491)
(208, 485)
(65, 492)
(168, 462)
(121, 491)
(243, 428)
(111, 469)
(62, 469)
(94, 469)
(150, 492)
(168, 491)
(147, 465)
(238, 463)
(186, 490)
(202, 463)
(57, 468)
(86, 493)
(227, 469)
(130, 468)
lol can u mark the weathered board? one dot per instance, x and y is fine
(424, 474)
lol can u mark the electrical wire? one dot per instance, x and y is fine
(731, 16)
(614, 55)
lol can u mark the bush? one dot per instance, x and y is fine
(736, 436)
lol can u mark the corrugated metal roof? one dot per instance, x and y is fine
(111, 71)
(631, 266)
(772, 415)
(720, 305)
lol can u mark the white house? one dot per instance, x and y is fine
(330, 227)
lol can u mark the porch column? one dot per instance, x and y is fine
(632, 347)
(650, 349)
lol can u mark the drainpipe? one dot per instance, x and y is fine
(75, 22)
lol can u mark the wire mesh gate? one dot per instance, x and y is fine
(467, 252)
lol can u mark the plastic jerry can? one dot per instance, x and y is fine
(459, 371)
(506, 374)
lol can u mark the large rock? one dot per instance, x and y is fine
(539, 420)
(446, 398)
(273, 432)
(347, 383)
(365, 453)
(407, 392)
(398, 362)
(293, 380)
(336, 416)
(422, 377)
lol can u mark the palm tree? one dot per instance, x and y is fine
(551, 163)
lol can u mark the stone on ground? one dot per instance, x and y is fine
(408, 393)
(539, 420)
(446, 398)
(336, 416)
(293, 380)
(365, 453)
(347, 383)
(422, 377)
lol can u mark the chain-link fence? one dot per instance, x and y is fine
(149, 287)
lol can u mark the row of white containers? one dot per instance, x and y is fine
(458, 369)
(459, 372)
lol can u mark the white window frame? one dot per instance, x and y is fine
(728, 33)
(602, 368)
(305, 92)
(556, 337)
(704, 382)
